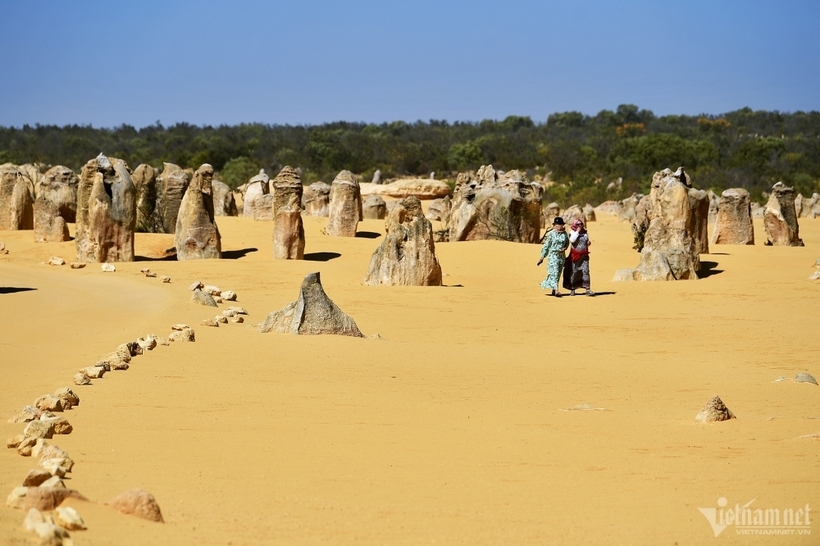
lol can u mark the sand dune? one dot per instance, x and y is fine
(450, 428)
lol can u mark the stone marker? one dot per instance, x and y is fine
(407, 255)
(313, 313)
(197, 235)
(345, 208)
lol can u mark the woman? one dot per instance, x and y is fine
(576, 268)
(555, 243)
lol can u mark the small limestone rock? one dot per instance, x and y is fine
(212, 290)
(36, 477)
(714, 410)
(195, 286)
(238, 310)
(804, 377)
(623, 275)
(165, 279)
(68, 397)
(14, 443)
(164, 341)
(108, 268)
(221, 320)
(28, 413)
(93, 372)
(48, 498)
(145, 270)
(179, 327)
(55, 260)
(217, 299)
(62, 426)
(33, 518)
(182, 335)
(237, 319)
(229, 313)
(815, 276)
(203, 298)
(229, 295)
(39, 429)
(54, 481)
(81, 379)
(137, 502)
(148, 343)
(77, 265)
(26, 445)
(210, 322)
(49, 403)
(68, 518)
(17, 498)
(44, 450)
(151, 275)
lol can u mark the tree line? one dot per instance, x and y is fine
(589, 158)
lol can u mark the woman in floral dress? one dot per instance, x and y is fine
(555, 243)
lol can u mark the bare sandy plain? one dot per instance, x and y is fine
(452, 428)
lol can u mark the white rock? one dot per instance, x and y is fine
(228, 313)
(195, 286)
(93, 372)
(108, 268)
(237, 319)
(238, 310)
(221, 320)
(54, 481)
(210, 322)
(229, 295)
(212, 290)
(179, 327)
(81, 379)
(56, 260)
(165, 279)
(815, 276)
(34, 518)
(68, 518)
(17, 498)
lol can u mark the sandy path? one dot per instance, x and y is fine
(450, 429)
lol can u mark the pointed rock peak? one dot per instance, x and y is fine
(714, 410)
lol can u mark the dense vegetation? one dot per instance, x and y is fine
(582, 154)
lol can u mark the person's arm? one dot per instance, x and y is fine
(573, 235)
(545, 248)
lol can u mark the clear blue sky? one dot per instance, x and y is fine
(215, 62)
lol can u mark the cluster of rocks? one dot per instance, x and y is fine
(233, 314)
(210, 295)
(486, 205)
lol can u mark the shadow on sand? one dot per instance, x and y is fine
(14, 289)
(368, 234)
(236, 254)
(707, 269)
(321, 256)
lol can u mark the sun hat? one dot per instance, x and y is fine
(558, 221)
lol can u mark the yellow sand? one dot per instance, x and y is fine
(448, 430)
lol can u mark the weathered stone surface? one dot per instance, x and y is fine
(171, 186)
(49, 226)
(589, 213)
(714, 410)
(59, 186)
(69, 397)
(139, 503)
(93, 372)
(108, 267)
(16, 199)
(733, 223)
(144, 178)
(184, 335)
(257, 187)
(106, 212)
(197, 235)
(316, 199)
(571, 214)
(210, 322)
(422, 188)
(39, 429)
(68, 518)
(407, 255)
(439, 210)
(28, 413)
(313, 313)
(714, 205)
(699, 227)
(49, 403)
(229, 295)
(345, 208)
(486, 206)
(670, 251)
(35, 477)
(801, 377)
(374, 207)
(48, 498)
(609, 207)
(212, 290)
(224, 201)
(81, 379)
(263, 208)
(627, 209)
(780, 218)
(288, 230)
(17, 498)
(203, 298)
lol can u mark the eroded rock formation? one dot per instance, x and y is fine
(374, 207)
(733, 222)
(59, 186)
(197, 236)
(345, 207)
(257, 187)
(224, 201)
(288, 231)
(316, 199)
(16, 199)
(780, 218)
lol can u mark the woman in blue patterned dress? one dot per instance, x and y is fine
(555, 244)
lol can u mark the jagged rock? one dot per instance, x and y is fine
(197, 236)
(28, 413)
(313, 313)
(179, 327)
(59, 186)
(106, 212)
(374, 207)
(185, 335)
(407, 255)
(49, 226)
(54, 481)
(805, 377)
(148, 343)
(39, 429)
(49, 403)
(68, 397)
(203, 298)
(733, 222)
(670, 251)
(81, 379)
(263, 208)
(14, 443)
(589, 213)
(68, 518)
(439, 210)
(62, 426)
(212, 290)
(316, 198)
(780, 218)
(221, 319)
(229, 295)
(238, 310)
(171, 185)
(609, 207)
(224, 201)
(196, 286)
(699, 203)
(93, 372)
(257, 187)
(139, 503)
(714, 410)
(46, 499)
(345, 208)
(16, 199)
(36, 477)
(488, 206)
(421, 188)
(288, 230)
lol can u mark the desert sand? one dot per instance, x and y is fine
(451, 426)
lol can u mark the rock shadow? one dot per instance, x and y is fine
(707, 269)
(14, 289)
(368, 234)
(236, 254)
(321, 256)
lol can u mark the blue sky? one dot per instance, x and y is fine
(215, 62)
